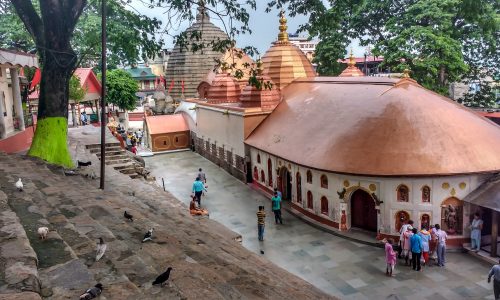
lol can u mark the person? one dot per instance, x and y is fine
(475, 234)
(416, 249)
(198, 188)
(202, 176)
(276, 200)
(495, 273)
(261, 222)
(402, 230)
(406, 253)
(425, 236)
(433, 243)
(390, 257)
(83, 118)
(441, 245)
(196, 211)
(279, 193)
(138, 135)
(134, 149)
(128, 142)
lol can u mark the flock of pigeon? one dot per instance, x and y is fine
(96, 290)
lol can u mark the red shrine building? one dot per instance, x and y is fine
(348, 151)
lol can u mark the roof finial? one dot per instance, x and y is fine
(352, 61)
(283, 35)
(202, 12)
(406, 73)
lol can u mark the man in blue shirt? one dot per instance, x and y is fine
(198, 188)
(276, 201)
(416, 249)
(495, 273)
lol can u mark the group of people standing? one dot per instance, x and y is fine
(417, 247)
(261, 214)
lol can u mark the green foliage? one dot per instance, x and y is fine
(121, 89)
(76, 92)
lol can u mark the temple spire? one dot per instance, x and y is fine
(202, 12)
(352, 61)
(283, 35)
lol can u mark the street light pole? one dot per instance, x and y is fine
(103, 93)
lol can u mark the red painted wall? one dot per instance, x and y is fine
(19, 142)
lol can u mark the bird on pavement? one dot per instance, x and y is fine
(148, 236)
(42, 232)
(92, 293)
(101, 248)
(19, 185)
(128, 216)
(162, 278)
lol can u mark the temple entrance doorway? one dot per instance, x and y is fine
(285, 184)
(363, 212)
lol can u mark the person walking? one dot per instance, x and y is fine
(402, 231)
(475, 234)
(407, 245)
(276, 201)
(495, 273)
(261, 222)
(390, 257)
(198, 188)
(416, 250)
(202, 176)
(441, 245)
(425, 236)
(278, 192)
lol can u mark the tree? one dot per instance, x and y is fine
(121, 89)
(76, 92)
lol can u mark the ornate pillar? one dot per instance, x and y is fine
(16, 93)
(494, 233)
(3, 130)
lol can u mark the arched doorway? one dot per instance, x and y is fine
(363, 212)
(285, 184)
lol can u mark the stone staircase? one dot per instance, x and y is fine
(207, 261)
(118, 158)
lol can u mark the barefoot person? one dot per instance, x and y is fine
(198, 188)
(390, 257)
(196, 211)
(276, 201)
(261, 221)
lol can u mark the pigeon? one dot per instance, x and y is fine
(92, 293)
(19, 185)
(84, 163)
(101, 248)
(128, 216)
(42, 232)
(162, 279)
(261, 251)
(148, 236)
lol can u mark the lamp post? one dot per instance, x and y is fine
(103, 93)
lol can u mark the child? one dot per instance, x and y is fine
(390, 257)
(406, 244)
(261, 221)
(426, 237)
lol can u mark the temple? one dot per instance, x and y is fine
(350, 151)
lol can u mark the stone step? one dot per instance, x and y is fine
(118, 161)
(114, 157)
(111, 152)
(98, 146)
(108, 149)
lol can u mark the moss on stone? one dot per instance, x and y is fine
(50, 142)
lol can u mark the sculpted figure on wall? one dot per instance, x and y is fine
(451, 218)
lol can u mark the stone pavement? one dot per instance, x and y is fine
(340, 267)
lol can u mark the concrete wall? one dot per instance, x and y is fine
(385, 189)
(6, 89)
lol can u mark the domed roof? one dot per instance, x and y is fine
(265, 97)
(284, 62)
(378, 127)
(224, 89)
(237, 60)
(184, 65)
(351, 70)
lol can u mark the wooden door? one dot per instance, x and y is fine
(363, 212)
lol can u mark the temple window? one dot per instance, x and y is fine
(309, 177)
(262, 176)
(324, 205)
(255, 173)
(258, 158)
(425, 221)
(310, 200)
(403, 193)
(426, 194)
(324, 181)
(270, 171)
(452, 216)
(299, 188)
(402, 217)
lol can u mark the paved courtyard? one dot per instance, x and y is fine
(340, 267)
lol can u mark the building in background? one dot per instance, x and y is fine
(166, 133)
(159, 63)
(305, 44)
(146, 80)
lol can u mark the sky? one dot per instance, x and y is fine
(264, 27)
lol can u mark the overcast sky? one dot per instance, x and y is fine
(264, 27)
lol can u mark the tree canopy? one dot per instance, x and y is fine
(121, 89)
(76, 92)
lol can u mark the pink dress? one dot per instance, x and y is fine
(390, 255)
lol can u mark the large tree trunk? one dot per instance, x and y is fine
(50, 140)
(52, 28)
